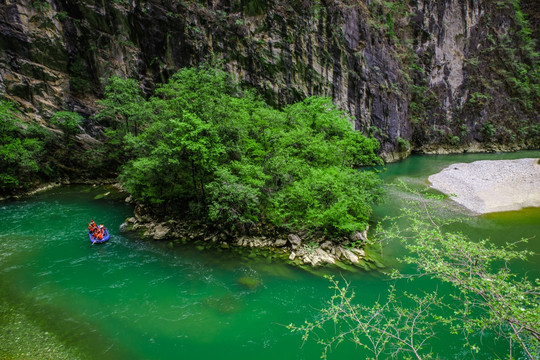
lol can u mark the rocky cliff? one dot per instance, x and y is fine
(417, 74)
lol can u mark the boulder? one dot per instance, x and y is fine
(349, 255)
(280, 243)
(141, 214)
(160, 231)
(226, 304)
(255, 242)
(295, 241)
(249, 282)
(360, 252)
(319, 256)
(327, 245)
(360, 235)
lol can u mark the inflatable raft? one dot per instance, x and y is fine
(106, 237)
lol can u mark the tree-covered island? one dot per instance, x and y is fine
(206, 150)
(203, 151)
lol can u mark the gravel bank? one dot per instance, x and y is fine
(491, 185)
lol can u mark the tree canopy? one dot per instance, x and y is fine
(201, 143)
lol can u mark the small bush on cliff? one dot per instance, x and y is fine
(213, 148)
(69, 122)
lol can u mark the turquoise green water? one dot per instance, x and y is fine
(131, 299)
(499, 227)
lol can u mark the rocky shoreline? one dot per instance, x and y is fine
(491, 185)
(297, 249)
(470, 148)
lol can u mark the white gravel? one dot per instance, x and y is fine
(491, 185)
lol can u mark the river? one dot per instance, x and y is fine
(135, 299)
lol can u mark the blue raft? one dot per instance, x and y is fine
(106, 237)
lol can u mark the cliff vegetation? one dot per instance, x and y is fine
(419, 75)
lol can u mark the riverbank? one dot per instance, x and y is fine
(302, 249)
(51, 185)
(491, 185)
(470, 148)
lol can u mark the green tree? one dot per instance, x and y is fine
(237, 161)
(205, 91)
(233, 200)
(123, 111)
(332, 199)
(315, 182)
(323, 135)
(21, 151)
(123, 104)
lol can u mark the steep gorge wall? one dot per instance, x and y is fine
(448, 74)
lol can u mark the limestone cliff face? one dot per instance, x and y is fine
(423, 73)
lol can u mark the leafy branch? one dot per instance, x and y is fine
(385, 329)
(487, 294)
(496, 298)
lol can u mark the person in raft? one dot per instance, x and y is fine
(96, 231)
(92, 226)
(101, 231)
